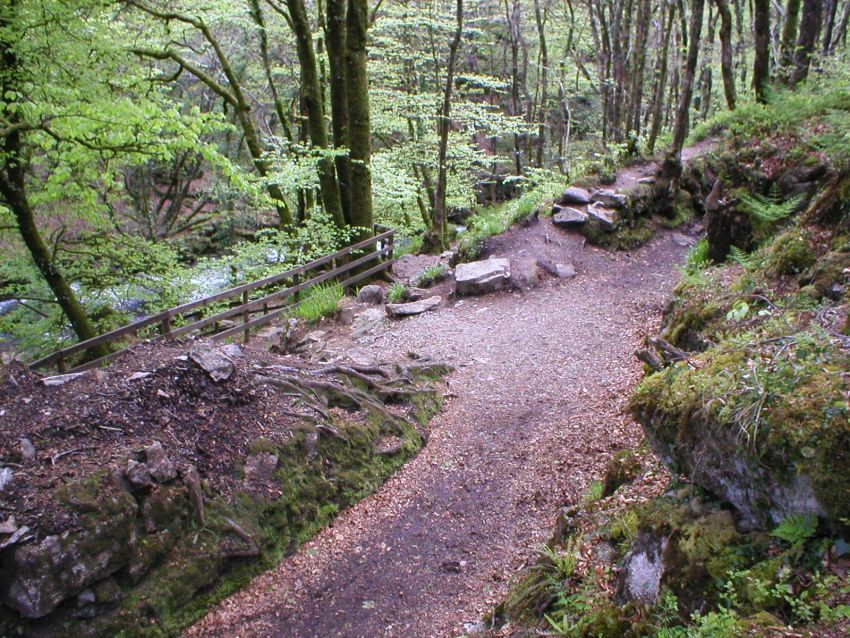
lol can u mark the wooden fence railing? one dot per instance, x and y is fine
(297, 279)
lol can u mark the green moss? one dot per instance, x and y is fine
(790, 253)
(827, 272)
(621, 468)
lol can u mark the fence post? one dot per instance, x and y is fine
(390, 246)
(297, 281)
(60, 362)
(165, 326)
(246, 316)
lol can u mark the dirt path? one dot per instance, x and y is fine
(536, 406)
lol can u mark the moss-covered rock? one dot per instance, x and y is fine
(761, 428)
(790, 253)
(154, 562)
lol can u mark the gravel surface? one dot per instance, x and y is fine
(534, 409)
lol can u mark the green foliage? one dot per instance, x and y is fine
(796, 529)
(766, 209)
(746, 261)
(395, 293)
(697, 257)
(594, 492)
(789, 254)
(320, 301)
(542, 187)
(431, 275)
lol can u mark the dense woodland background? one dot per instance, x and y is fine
(153, 152)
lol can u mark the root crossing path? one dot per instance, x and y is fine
(535, 407)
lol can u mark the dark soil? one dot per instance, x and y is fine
(97, 420)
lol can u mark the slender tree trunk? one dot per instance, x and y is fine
(641, 36)
(512, 16)
(438, 230)
(544, 77)
(789, 34)
(761, 35)
(660, 81)
(335, 38)
(810, 24)
(13, 194)
(830, 9)
(840, 36)
(359, 124)
(313, 106)
(726, 67)
(280, 110)
(671, 168)
(707, 76)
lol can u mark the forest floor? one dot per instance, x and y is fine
(535, 407)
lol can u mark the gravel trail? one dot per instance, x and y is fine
(534, 408)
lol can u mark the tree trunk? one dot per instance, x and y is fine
(789, 33)
(726, 67)
(830, 10)
(544, 77)
(761, 35)
(14, 196)
(335, 38)
(660, 81)
(437, 238)
(840, 36)
(641, 35)
(810, 25)
(359, 126)
(707, 76)
(313, 105)
(671, 168)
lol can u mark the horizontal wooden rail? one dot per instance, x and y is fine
(383, 240)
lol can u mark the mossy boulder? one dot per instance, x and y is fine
(763, 430)
(790, 254)
(38, 577)
(149, 559)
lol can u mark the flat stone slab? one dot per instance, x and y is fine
(366, 322)
(562, 271)
(606, 217)
(609, 198)
(574, 195)
(414, 307)
(212, 361)
(683, 240)
(481, 277)
(566, 217)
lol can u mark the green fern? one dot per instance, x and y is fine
(766, 209)
(796, 529)
(747, 261)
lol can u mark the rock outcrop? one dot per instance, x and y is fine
(413, 307)
(481, 277)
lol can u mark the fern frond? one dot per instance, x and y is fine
(770, 208)
(747, 261)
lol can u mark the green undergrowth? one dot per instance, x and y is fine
(495, 220)
(717, 581)
(319, 301)
(817, 118)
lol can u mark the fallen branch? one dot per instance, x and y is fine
(62, 455)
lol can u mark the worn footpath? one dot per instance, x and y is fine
(535, 407)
